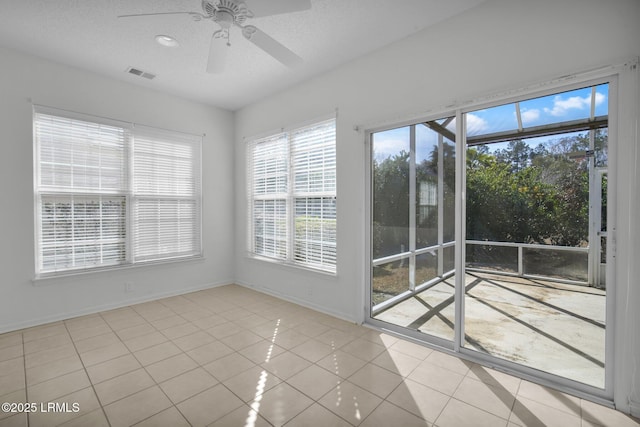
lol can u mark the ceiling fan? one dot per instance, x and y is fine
(228, 13)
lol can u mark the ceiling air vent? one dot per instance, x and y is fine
(140, 73)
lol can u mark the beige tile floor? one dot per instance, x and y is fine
(230, 356)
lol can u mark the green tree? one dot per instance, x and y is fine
(517, 154)
(538, 195)
(391, 204)
(503, 205)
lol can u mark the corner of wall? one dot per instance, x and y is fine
(348, 317)
(634, 409)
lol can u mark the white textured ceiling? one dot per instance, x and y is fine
(87, 34)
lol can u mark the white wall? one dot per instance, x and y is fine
(26, 79)
(499, 46)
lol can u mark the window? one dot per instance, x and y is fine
(166, 195)
(109, 193)
(292, 190)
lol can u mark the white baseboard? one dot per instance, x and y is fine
(104, 307)
(342, 316)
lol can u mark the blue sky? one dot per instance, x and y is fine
(560, 107)
(555, 108)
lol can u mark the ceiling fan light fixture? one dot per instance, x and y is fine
(233, 13)
(167, 41)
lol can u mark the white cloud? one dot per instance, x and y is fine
(476, 124)
(600, 98)
(383, 148)
(561, 106)
(529, 116)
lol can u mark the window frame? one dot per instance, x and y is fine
(127, 193)
(290, 196)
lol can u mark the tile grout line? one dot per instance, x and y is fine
(342, 380)
(285, 381)
(515, 400)
(198, 366)
(156, 384)
(87, 374)
(134, 356)
(238, 352)
(24, 363)
(249, 405)
(400, 385)
(449, 397)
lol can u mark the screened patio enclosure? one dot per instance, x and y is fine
(523, 187)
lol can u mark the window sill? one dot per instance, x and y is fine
(287, 265)
(42, 279)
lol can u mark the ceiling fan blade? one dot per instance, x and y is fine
(276, 7)
(271, 46)
(218, 50)
(195, 15)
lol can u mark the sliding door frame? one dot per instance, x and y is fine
(565, 384)
(610, 75)
(413, 335)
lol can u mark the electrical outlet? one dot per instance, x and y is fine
(128, 286)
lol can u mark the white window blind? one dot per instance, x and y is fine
(314, 193)
(81, 187)
(81, 231)
(88, 196)
(166, 194)
(270, 187)
(292, 188)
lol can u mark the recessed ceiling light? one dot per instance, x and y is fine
(166, 40)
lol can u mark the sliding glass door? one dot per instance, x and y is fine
(413, 224)
(510, 267)
(533, 245)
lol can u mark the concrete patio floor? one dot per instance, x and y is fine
(553, 327)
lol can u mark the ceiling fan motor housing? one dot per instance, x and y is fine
(226, 12)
